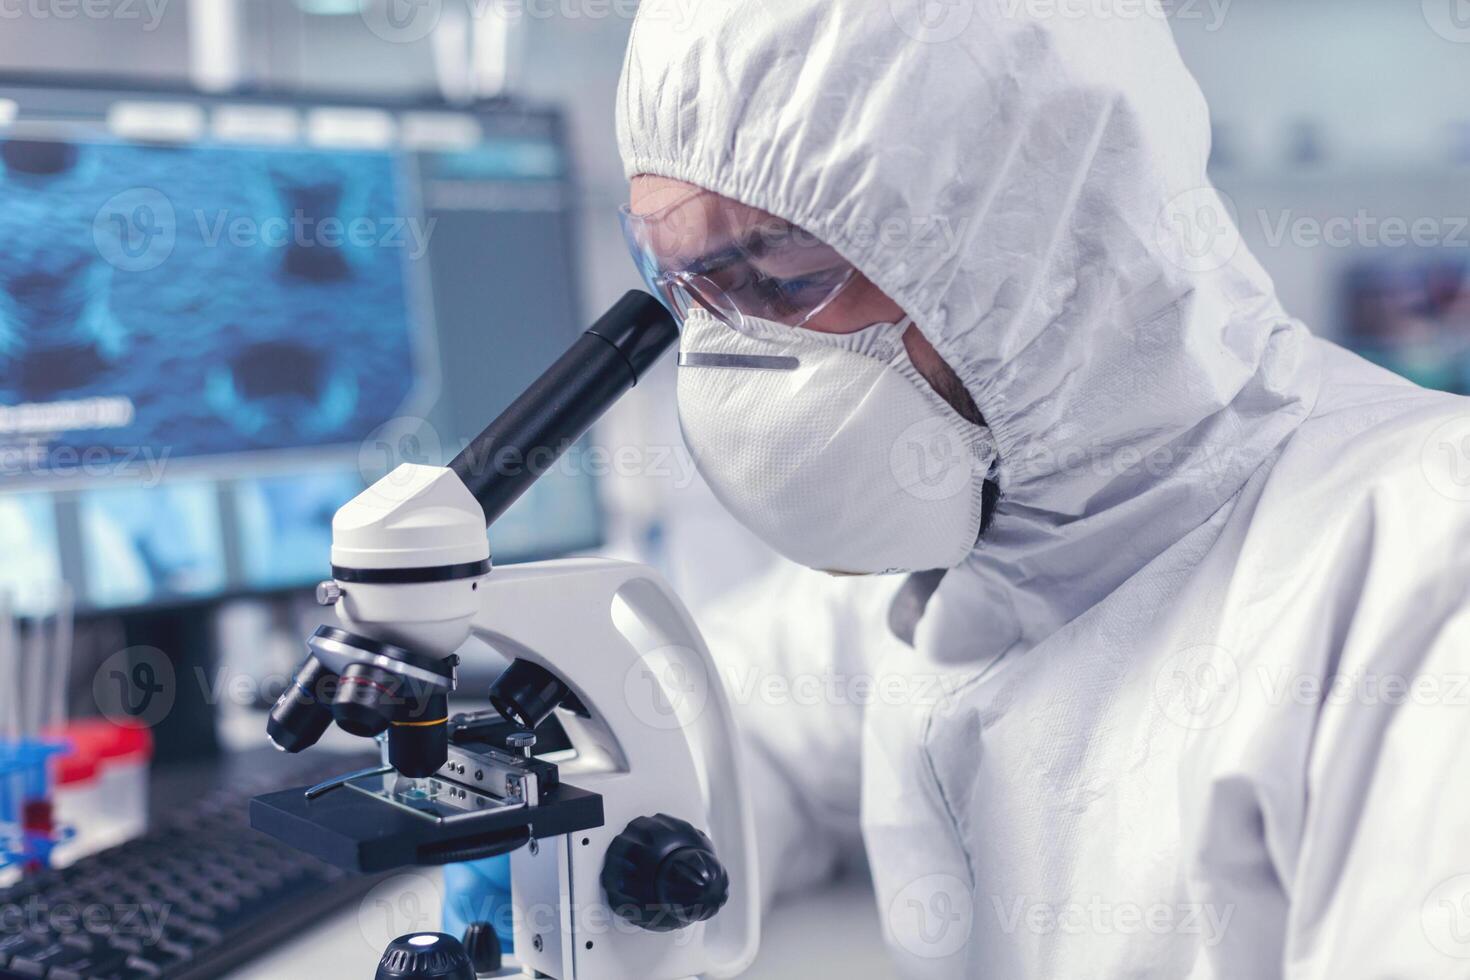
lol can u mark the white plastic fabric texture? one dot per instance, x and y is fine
(1189, 710)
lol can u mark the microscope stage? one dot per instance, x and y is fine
(361, 831)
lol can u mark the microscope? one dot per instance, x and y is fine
(632, 845)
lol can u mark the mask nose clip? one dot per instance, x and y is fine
(747, 362)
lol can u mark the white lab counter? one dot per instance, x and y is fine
(833, 933)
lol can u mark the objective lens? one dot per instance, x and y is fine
(420, 746)
(302, 713)
(526, 693)
(366, 700)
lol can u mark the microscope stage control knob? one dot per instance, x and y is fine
(522, 742)
(662, 874)
(425, 956)
(483, 947)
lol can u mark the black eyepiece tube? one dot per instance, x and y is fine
(560, 406)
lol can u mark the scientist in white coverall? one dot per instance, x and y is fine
(1194, 704)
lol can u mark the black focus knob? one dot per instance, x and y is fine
(662, 874)
(483, 947)
(425, 956)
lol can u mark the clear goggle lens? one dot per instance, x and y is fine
(705, 253)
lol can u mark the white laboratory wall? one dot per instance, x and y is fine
(1379, 90)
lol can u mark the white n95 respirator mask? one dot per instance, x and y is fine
(832, 448)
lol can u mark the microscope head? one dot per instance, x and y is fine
(408, 556)
(410, 553)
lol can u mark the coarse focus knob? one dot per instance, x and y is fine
(425, 956)
(483, 947)
(662, 874)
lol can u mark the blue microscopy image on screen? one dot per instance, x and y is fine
(31, 566)
(286, 525)
(201, 300)
(147, 544)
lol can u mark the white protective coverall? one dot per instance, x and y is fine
(1197, 705)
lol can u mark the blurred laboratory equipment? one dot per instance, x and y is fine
(35, 665)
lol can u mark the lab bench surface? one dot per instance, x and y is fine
(830, 932)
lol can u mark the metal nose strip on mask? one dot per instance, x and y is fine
(750, 362)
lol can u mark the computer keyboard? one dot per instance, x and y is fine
(197, 895)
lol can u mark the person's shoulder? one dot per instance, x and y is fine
(1361, 524)
(1384, 458)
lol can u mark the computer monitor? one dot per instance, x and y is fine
(221, 317)
(1411, 314)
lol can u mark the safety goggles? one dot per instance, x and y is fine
(705, 252)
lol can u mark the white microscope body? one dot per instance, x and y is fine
(657, 735)
(633, 852)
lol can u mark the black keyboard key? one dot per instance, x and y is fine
(97, 963)
(35, 964)
(158, 957)
(18, 944)
(186, 902)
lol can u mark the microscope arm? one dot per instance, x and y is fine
(655, 707)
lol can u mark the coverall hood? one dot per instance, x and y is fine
(1031, 188)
